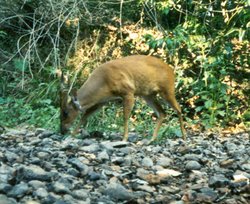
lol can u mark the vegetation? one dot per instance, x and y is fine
(207, 43)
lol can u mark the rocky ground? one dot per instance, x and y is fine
(42, 167)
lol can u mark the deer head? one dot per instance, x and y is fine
(69, 106)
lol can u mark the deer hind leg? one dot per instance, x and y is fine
(128, 104)
(154, 104)
(171, 100)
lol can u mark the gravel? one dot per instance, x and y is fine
(41, 166)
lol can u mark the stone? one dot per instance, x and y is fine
(5, 187)
(81, 194)
(40, 193)
(33, 172)
(6, 200)
(146, 188)
(117, 192)
(60, 187)
(246, 167)
(19, 190)
(193, 165)
(193, 157)
(103, 156)
(218, 181)
(11, 156)
(231, 147)
(164, 162)
(117, 144)
(73, 172)
(142, 173)
(167, 173)
(43, 155)
(76, 163)
(147, 162)
(207, 195)
(35, 184)
(6, 173)
(90, 148)
(93, 176)
(127, 150)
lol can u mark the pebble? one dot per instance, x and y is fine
(164, 162)
(147, 162)
(193, 165)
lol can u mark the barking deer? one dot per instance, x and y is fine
(124, 78)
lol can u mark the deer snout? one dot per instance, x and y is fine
(64, 129)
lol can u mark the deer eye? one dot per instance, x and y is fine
(65, 114)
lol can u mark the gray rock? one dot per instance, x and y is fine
(117, 192)
(52, 198)
(45, 133)
(76, 163)
(6, 173)
(11, 156)
(207, 195)
(117, 144)
(33, 172)
(218, 181)
(81, 194)
(35, 142)
(6, 200)
(103, 156)
(60, 187)
(93, 176)
(142, 173)
(90, 148)
(246, 167)
(40, 193)
(18, 133)
(147, 162)
(133, 137)
(128, 160)
(194, 157)
(73, 172)
(231, 147)
(35, 184)
(19, 190)
(127, 150)
(193, 165)
(164, 162)
(146, 188)
(43, 155)
(5, 188)
(83, 134)
(117, 160)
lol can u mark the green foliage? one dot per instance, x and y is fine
(213, 56)
(17, 112)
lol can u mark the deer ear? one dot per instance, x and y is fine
(64, 97)
(74, 93)
(68, 99)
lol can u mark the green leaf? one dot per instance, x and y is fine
(20, 65)
(208, 104)
(166, 11)
(221, 113)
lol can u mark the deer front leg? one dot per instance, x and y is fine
(128, 103)
(85, 116)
